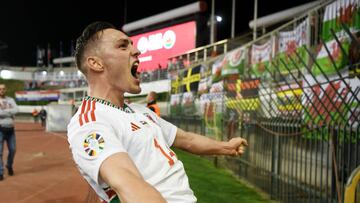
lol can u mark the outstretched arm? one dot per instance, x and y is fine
(121, 174)
(202, 145)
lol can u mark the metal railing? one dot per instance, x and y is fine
(195, 57)
(159, 74)
(301, 117)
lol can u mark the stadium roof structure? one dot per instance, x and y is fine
(284, 15)
(165, 16)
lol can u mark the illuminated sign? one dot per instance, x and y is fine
(159, 45)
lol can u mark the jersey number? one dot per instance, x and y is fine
(168, 156)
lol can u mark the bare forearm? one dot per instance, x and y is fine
(120, 173)
(137, 190)
(202, 145)
(198, 144)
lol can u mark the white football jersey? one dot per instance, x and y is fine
(100, 129)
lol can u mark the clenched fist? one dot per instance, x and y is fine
(237, 146)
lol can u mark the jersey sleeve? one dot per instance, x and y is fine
(91, 144)
(168, 129)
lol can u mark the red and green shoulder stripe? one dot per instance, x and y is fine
(87, 112)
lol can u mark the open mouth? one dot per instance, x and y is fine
(134, 68)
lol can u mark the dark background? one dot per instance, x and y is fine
(26, 24)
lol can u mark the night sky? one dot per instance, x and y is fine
(26, 24)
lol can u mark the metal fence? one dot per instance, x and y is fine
(301, 120)
(159, 74)
(292, 159)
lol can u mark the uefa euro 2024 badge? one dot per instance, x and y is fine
(94, 144)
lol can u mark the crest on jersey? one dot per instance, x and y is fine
(94, 144)
(149, 117)
(144, 122)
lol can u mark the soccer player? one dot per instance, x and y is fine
(123, 150)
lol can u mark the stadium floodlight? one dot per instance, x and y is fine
(213, 27)
(6, 74)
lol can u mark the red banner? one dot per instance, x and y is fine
(159, 45)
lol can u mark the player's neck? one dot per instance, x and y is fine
(106, 93)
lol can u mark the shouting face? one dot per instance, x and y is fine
(119, 61)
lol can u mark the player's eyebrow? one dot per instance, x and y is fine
(126, 40)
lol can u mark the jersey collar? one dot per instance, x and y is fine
(125, 107)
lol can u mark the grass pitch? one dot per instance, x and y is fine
(213, 185)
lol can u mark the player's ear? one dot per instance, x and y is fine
(95, 63)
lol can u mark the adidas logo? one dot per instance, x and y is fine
(134, 127)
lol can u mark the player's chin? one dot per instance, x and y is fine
(135, 90)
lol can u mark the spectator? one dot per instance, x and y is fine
(8, 109)
(43, 115)
(35, 115)
(151, 102)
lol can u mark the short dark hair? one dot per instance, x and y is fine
(90, 34)
(153, 94)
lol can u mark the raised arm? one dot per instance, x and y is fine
(202, 145)
(121, 174)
